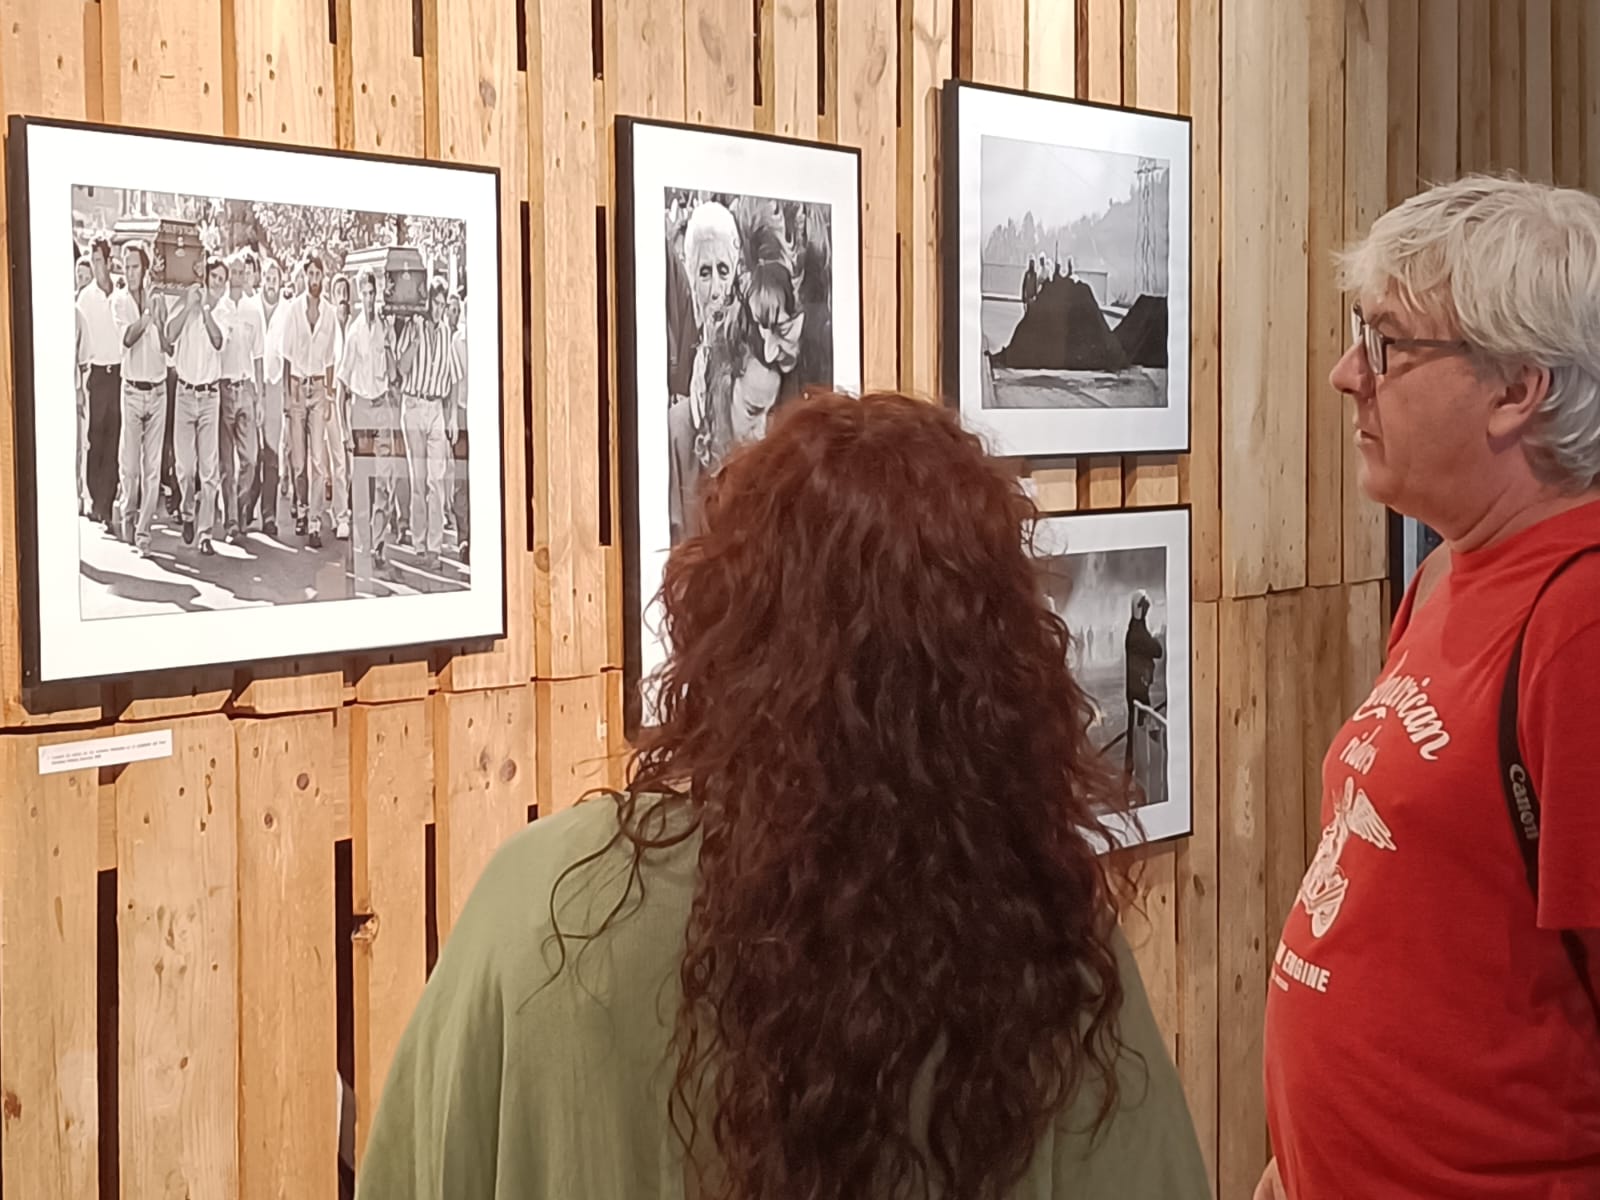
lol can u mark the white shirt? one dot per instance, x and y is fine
(100, 326)
(274, 325)
(243, 337)
(309, 351)
(145, 361)
(364, 367)
(197, 360)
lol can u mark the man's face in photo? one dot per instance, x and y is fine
(369, 296)
(271, 281)
(133, 268)
(216, 283)
(314, 279)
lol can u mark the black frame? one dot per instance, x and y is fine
(1188, 575)
(628, 375)
(20, 227)
(950, 245)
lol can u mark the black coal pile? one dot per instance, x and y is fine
(1064, 330)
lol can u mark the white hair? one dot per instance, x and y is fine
(1513, 268)
(709, 220)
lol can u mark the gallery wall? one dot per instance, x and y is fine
(190, 946)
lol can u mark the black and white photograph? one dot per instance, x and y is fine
(739, 278)
(1120, 581)
(272, 402)
(1066, 277)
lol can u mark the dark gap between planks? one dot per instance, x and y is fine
(107, 1016)
(529, 417)
(603, 325)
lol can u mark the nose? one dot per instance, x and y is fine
(1352, 374)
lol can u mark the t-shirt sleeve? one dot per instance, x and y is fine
(435, 1135)
(1147, 1146)
(1560, 695)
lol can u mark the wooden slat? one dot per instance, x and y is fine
(1052, 47)
(1153, 26)
(285, 71)
(1438, 87)
(1243, 955)
(48, 863)
(288, 1120)
(719, 80)
(1055, 488)
(477, 84)
(1538, 95)
(644, 51)
(166, 72)
(485, 776)
(1196, 902)
(618, 760)
(1285, 700)
(43, 72)
(1473, 94)
(1323, 708)
(1327, 428)
(391, 786)
(1591, 98)
(387, 77)
(1366, 636)
(1567, 41)
(177, 954)
(569, 562)
(866, 118)
(1505, 85)
(1287, 303)
(574, 740)
(1365, 106)
(999, 42)
(1404, 51)
(792, 54)
(1100, 50)
(1265, 206)
(386, 118)
(1151, 927)
(1200, 472)
(925, 65)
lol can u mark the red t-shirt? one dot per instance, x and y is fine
(1426, 1033)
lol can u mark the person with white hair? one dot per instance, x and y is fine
(1432, 1026)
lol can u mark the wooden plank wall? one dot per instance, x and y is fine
(167, 949)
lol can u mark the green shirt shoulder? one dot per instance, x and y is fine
(525, 1075)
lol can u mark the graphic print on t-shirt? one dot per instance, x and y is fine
(1323, 890)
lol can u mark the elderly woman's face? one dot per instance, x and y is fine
(1422, 429)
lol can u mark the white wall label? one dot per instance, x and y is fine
(105, 752)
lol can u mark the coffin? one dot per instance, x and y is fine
(178, 257)
(402, 279)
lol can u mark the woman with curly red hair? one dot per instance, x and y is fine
(848, 931)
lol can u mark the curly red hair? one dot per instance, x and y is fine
(867, 713)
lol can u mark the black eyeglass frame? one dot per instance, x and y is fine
(1377, 344)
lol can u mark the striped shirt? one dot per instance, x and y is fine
(433, 371)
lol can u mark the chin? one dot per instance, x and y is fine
(1376, 483)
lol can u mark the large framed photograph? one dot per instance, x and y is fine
(1120, 581)
(1066, 273)
(739, 288)
(258, 401)
(1410, 542)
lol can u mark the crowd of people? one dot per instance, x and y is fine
(749, 325)
(249, 400)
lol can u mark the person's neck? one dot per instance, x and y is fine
(1510, 512)
(104, 287)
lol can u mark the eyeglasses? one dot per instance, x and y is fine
(1377, 344)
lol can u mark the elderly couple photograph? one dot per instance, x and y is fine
(850, 930)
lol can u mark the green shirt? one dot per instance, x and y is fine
(516, 1082)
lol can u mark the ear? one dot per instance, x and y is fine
(1519, 399)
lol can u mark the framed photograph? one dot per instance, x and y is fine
(739, 287)
(1120, 581)
(1066, 273)
(257, 403)
(1410, 541)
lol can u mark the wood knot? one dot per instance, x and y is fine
(508, 770)
(487, 93)
(12, 1105)
(302, 781)
(268, 820)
